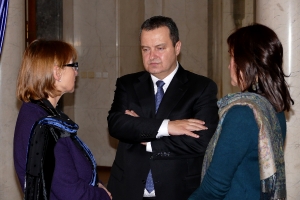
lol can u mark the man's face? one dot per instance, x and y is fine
(159, 54)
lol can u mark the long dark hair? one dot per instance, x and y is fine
(258, 57)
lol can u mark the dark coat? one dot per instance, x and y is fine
(176, 161)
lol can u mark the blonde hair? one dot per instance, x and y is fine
(35, 79)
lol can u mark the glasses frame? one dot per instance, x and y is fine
(74, 65)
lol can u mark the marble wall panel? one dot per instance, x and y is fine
(153, 8)
(95, 134)
(106, 22)
(214, 39)
(194, 58)
(68, 21)
(227, 18)
(95, 60)
(191, 19)
(130, 59)
(10, 61)
(228, 27)
(68, 36)
(95, 39)
(130, 19)
(284, 18)
(94, 23)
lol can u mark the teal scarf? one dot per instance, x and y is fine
(270, 142)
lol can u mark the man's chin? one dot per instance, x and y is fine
(154, 70)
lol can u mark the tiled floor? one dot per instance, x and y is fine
(103, 174)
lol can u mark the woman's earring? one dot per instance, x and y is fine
(257, 88)
(254, 86)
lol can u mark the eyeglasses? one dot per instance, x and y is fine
(74, 65)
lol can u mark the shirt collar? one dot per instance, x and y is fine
(167, 79)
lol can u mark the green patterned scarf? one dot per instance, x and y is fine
(270, 142)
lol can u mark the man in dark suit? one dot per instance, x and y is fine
(163, 148)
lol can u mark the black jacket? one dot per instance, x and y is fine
(176, 161)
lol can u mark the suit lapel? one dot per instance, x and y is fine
(145, 93)
(175, 91)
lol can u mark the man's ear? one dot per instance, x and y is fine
(177, 47)
(57, 73)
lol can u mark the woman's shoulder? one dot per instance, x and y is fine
(240, 119)
(30, 112)
(29, 105)
(240, 112)
(32, 108)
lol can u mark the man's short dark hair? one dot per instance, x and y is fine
(161, 21)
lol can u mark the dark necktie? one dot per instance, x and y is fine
(158, 97)
(159, 94)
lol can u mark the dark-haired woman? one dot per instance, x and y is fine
(244, 159)
(50, 160)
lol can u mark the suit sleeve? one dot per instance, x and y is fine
(127, 128)
(204, 108)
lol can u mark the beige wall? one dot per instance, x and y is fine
(13, 47)
(218, 57)
(95, 38)
(228, 26)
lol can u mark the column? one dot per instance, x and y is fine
(283, 17)
(10, 61)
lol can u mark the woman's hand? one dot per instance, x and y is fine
(101, 186)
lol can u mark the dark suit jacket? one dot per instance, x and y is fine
(176, 161)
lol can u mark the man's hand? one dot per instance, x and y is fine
(131, 113)
(185, 127)
(180, 127)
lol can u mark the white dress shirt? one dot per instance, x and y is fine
(163, 129)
